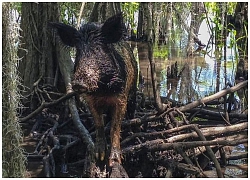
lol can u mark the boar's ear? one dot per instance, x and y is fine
(113, 29)
(69, 35)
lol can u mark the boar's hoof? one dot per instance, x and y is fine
(115, 156)
(118, 171)
(100, 148)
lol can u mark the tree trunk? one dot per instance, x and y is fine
(142, 23)
(196, 20)
(169, 29)
(241, 21)
(147, 7)
(37, 50)
(104, 10)
(13, 162)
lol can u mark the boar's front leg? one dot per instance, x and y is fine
(118, 113)
(100, 143)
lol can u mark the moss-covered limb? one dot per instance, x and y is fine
(13, 162)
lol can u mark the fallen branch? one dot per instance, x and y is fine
(151, 146)
(188, 168)
(214, 113)
(206, 132)
(212, 97)
(139, 121)
(233, 139)
(242, 155)
(211, 131)
(155, 134)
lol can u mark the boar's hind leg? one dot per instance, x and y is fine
(131, 106)
(100, 143)
(117, 117)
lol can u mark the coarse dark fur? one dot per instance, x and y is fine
(105, 74)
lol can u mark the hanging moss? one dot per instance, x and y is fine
(13, 160)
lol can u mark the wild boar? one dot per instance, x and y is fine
(105, 74)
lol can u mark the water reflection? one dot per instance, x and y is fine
(198, 77)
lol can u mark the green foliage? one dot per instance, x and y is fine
(69, 12)
(215, 9)
(231, 7)
(129, 9)
(17, 6)
(228, 64)
(198, 119)
(160, 52)
(211, 7)
(232, 42)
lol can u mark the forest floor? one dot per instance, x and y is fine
(201, 141)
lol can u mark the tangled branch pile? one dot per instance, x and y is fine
(179, 142)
